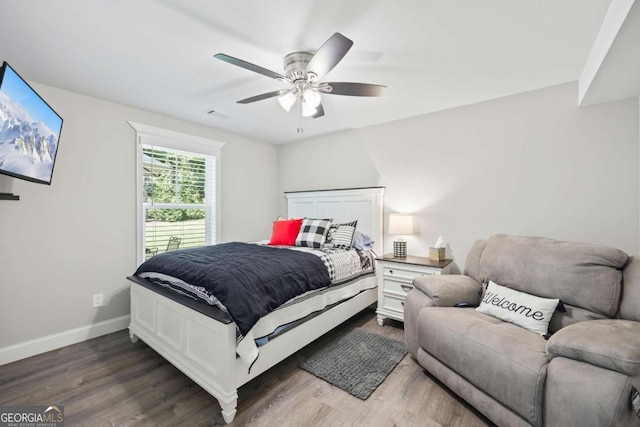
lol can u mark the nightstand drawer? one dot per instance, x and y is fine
(403, 273)
(393, 304)
(397, 287)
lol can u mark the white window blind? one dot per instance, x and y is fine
(179, 200)
(177, 191)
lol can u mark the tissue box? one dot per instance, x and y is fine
(436, 254)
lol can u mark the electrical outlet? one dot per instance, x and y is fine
(98, 300)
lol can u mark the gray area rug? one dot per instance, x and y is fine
(357, 361)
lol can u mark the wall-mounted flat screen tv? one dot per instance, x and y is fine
(29, 130)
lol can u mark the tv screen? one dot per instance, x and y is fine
(29, 130)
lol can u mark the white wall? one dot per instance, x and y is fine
(530, 164)
(61, 244)
(527, 164)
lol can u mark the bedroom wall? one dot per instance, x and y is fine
(529, 164)
(61, 244)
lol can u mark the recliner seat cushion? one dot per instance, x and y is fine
(502, 359)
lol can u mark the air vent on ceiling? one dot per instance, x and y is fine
(218, 114)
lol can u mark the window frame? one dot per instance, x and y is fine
(181, 142)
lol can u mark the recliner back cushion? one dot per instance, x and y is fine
(630, 298)
(472, 265)
(579, 274)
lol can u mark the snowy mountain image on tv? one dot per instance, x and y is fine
(29, 130)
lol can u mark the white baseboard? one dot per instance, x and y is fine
(62, 339)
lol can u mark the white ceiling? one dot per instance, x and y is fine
(157, 55)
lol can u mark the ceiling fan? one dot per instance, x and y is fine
(304, 70)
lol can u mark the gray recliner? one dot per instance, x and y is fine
(583, 375)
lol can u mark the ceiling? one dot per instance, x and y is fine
(157, 55)
(612, 70)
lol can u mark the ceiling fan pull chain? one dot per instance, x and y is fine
(300, 128)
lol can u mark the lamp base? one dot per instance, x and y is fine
(399, 249)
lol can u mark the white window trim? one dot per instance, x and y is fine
(151, 135)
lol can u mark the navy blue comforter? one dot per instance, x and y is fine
(250, 280)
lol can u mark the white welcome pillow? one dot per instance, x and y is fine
(522, 309)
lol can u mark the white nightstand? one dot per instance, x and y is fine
(395, 278)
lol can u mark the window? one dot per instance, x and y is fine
(177, 191)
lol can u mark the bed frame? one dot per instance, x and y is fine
(204, 349)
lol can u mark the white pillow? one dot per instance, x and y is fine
(342, 236)
(522, 309)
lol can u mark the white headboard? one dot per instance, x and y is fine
(362, 204)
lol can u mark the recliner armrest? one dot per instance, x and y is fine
(449, 290)
(608, 343)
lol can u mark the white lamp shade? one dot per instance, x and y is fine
(287, 100)
(311, 97)
(308, 110)
(400, 224)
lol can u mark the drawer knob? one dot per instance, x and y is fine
(390, 271)
(406, 288)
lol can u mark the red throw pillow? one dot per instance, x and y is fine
(285, 232)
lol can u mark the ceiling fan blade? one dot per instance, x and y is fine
(260, 97)
(355, 89)
(249, 66)
(319, 111)
(329, 54)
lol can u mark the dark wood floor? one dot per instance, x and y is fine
(109, 381)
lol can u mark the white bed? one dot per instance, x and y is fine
(204, 349)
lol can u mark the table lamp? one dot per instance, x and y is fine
(400, 225)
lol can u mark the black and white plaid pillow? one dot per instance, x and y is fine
(313, 232)
(635, 401)
(341, 235)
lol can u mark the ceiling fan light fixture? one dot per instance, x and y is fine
(305, 72)
(287, 100)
